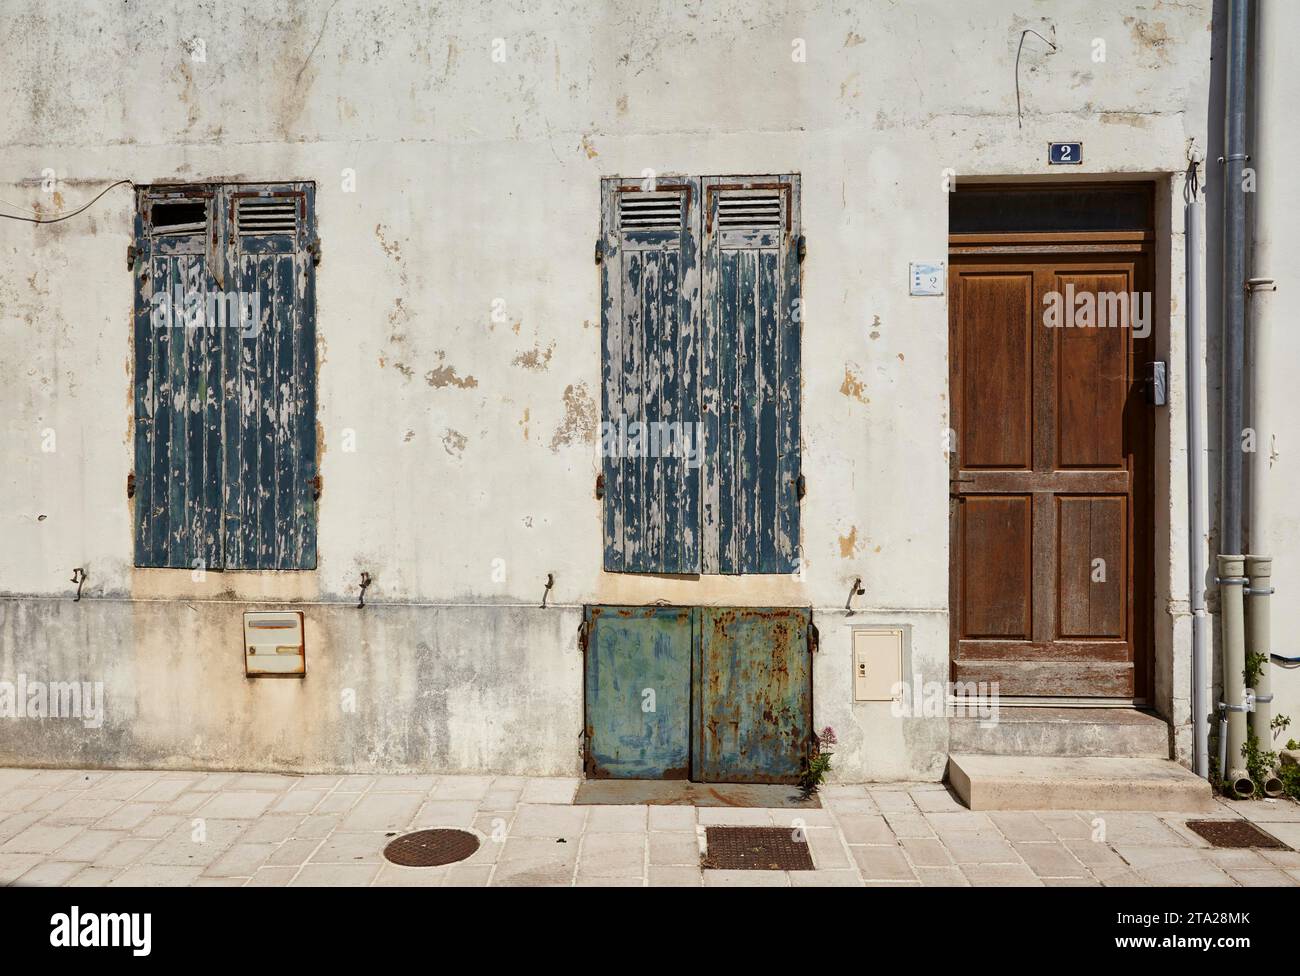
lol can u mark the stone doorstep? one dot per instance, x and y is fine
(1077, 783)
(1061, 731)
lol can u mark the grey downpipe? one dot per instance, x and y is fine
(1259, 569)
(1196, 538)
(1231, 564)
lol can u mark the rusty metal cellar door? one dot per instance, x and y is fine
(713, 694)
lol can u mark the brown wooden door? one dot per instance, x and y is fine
(1051, 488)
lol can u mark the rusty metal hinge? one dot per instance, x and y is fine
(600, 486)
(814, 638)
(801, 248)
(600, 251)
(314, 250)
(132, 252)
(130, 485)
(801, 486)
(583, 634)
(315, 484)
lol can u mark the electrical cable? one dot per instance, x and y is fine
(65, 216)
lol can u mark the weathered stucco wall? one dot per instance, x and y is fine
(477, 188)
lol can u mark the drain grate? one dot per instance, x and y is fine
(430, 848)
(1235, 833)
(756, 849)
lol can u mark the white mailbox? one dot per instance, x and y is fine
(273, 644)
(877, 663)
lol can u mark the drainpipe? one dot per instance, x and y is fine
(1260, 571)
(1196, 538)
(1231, 564)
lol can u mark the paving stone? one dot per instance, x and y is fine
(273, 877)
(298, 801)
(187, 846)
(274, 828)
(127, 816)
(1021, 826)
(617, 819)
(241, 861)
(545, 820)
(92, 877)
(892, 801)
(49, 874)
(383, 811)
(746, 879)
(40, 839)
(236, 806)
(14, 866)
(866, 828)
(733, 817)
(549, 791)
(161, 826)
(960, 822)
(89, 844)
(404, 784)
(827, 848)
(825, 879)
(1000, 875)
(1273, 878)
(355, 784)
(344, 847)
(950, 877)
(15, 823)
(1065, 825)
(1197, 873)
(672, 818)
(186, 804)
(269, 782)
(533, 872)
(398, 876)
(86, 810)
(937, 801)
(445, 813)
(338, 802)
(1137, 829)
(911, 825)
(1051, 860)
(674, 847)
(795, 819)
(850, 804)
(335, 876)
(292, 852)
(462, 788)
(1088, 882)
(500, 801)
(675, 876)
(466, 875)
(612, 856)
(980, 847)
(926, 852)
(125, 852)
(314, 825)
(155, 876)
(882, 863)
(163, 791)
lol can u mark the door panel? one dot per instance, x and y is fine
(638, 692)
(753, 692)
(1051, 475)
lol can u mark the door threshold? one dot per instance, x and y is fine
(681, 792)
(1008, 701)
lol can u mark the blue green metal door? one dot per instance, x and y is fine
(638, 694)
(716, 694)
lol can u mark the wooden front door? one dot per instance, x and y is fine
(1051, 490)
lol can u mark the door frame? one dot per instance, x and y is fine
(1025, 247)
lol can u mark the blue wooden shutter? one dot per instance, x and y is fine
(751, 374)
(177, 382)
(650, 366)
(269, 510)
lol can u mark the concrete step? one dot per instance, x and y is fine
(1077, 783)
(1062, 732)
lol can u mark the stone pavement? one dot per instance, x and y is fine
(68, 827)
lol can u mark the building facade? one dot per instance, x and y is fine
(461, 254)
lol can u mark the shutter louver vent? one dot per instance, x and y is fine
(256, 216)
(750, 211)
(650, 211)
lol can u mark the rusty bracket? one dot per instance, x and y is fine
(801, 248)
(600, 251)
(366, 580)
(131, 253)
(314, 250)
(814, 638)
(801, 486)
(550, 582)
(600, 486)
(315, 484)
(584, 635)
(78, 577)
(854, 590)
(130, 485)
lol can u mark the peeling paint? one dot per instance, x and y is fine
(536, 358)
(849, 543)
(453, 442)
(441, 376)
(579, 423)
(853, 386)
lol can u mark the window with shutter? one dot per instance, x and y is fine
(700, 330)
(225, 367)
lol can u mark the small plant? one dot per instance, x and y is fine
(1289, 773)
(818, 763)
(1292, 744)
(1255, 663)
(1280, 724)
(1259, 762)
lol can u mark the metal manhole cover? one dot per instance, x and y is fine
(430, 848)
(1235, 833)
(756, 849)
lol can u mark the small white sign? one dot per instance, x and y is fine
(927, 278)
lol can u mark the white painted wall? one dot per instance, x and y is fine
(478, 180)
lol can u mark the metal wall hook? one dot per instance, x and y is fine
(550, 582)
(854, 590)
(366, 580)
(78, 577)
